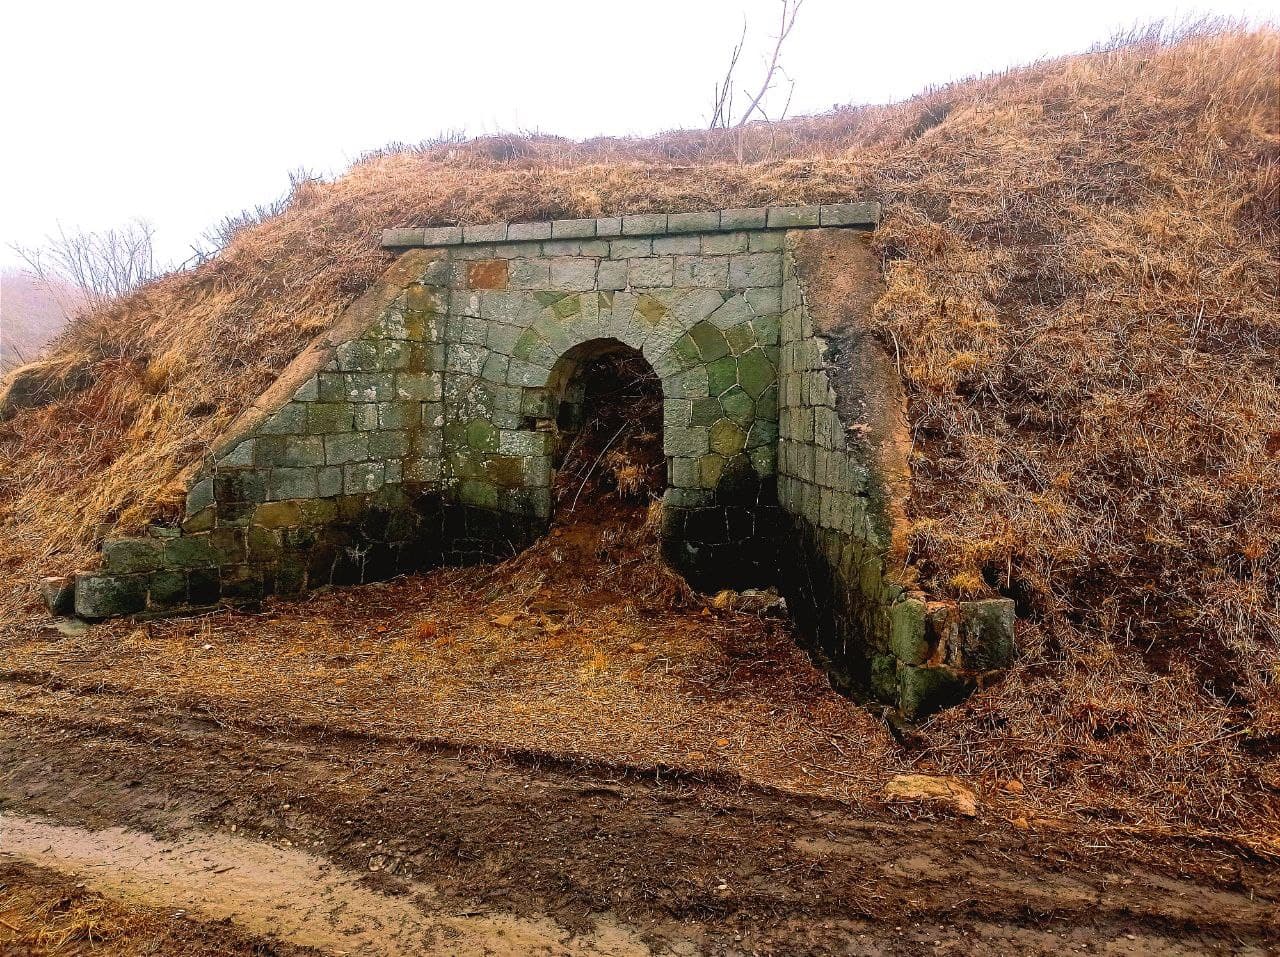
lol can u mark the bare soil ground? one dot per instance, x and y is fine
(567, 754)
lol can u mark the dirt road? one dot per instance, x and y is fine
(352, 844)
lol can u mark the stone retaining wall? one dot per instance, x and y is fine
(424, 428)
(843, 476)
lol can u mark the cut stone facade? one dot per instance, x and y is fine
(424, 429)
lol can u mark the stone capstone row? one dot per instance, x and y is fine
(845, 215)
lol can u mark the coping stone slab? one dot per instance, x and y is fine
(693, 222)
(864, 215)
(573, 228)
(609, 226)
(849, 214)
(442, 236)
(787, 217)
(526, 231)
(644, 224)
(402, 236)
(486, 233)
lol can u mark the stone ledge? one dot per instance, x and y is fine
(847, 215)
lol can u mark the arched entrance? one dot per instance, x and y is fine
(607, 455)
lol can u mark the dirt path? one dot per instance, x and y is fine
(279, 891)
(439, 849)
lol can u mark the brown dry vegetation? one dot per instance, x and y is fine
(1081, 264)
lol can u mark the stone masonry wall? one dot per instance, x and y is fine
(333, 476)
(424, 429)
(842, 455)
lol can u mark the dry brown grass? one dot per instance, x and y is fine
(1081, 262)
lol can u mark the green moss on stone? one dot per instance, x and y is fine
(710, 341)
(722, 375)
(727, 437)
(755, 372)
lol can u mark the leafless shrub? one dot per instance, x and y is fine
(102, 266)
(220, 235)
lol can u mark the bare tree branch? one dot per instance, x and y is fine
(789, 10)
(723, 103)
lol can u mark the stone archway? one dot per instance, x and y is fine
(606, 402)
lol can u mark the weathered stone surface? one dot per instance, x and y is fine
(790, 217)
(59, 594)
(109, 596)
(644, 224)
(487, 274)
(521, 231)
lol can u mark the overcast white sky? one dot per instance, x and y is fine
(181, 112)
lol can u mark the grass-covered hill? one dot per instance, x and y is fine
(1081, 259)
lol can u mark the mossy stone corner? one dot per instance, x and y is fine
(425, 428)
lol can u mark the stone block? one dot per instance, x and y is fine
(359, 355)
(292, 483)
(362, 477)
(754, 218)
(724, 244)
(487, 274)
(199, 495)
(300, 451)
(727, 437)
(289, 419)
(364, 416)
(442, 236)
(677, 246)
(612, 275)
(573, 228)
(572, 274)
(608, 225)
(529, 274)
(106, 596)
(986, 633)
(630, 248)
(721, 376)
(402, 237)
(485, 233)
(649, 273)
(790, 217)
(707, 272)
(644, 224)
(693, 222)
(755, 269)
(766, 242)
(59, 594)
(907, 638)
(924, 690)
(733, 311)
(755, 372)
(167, 589)
(692, 442)
(418, 387)
(388, 444)
(766, 300)
(526, 231)
(426, 298)
(127, 556)
(190, 551)
(849, 214)
(368, 387)
(242, 582)
(478, 493)
(710, 341)
(341, 449)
